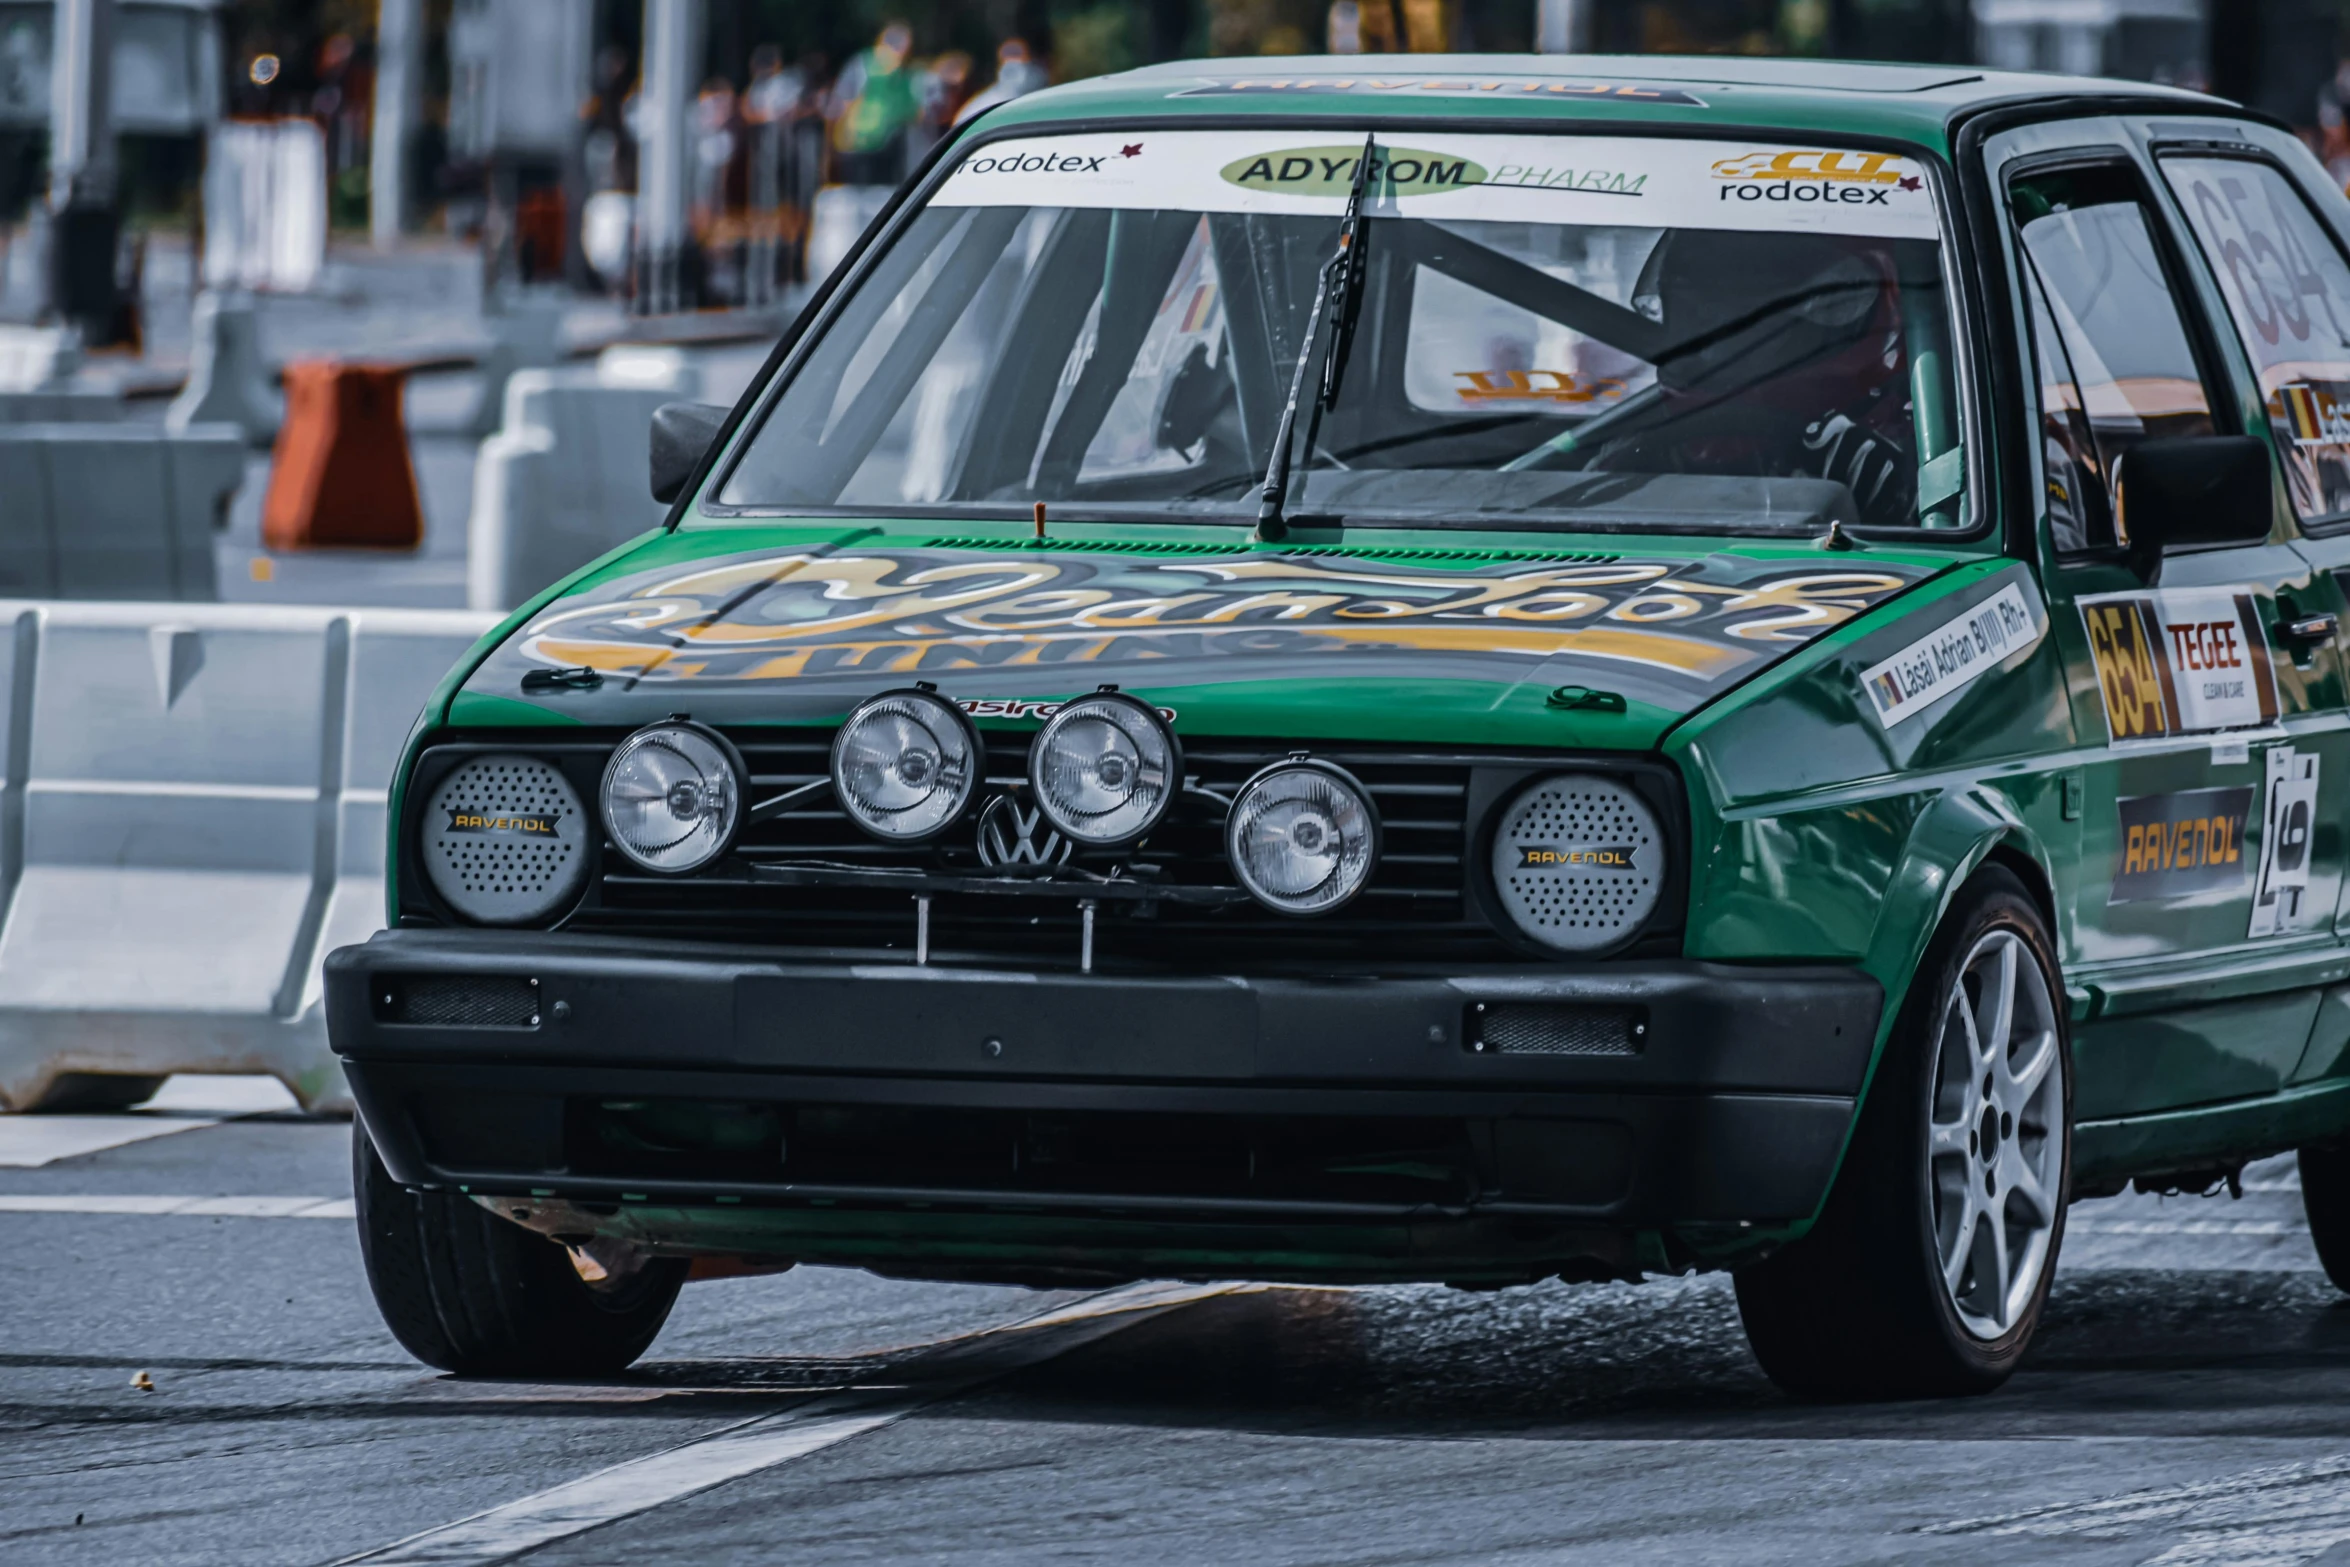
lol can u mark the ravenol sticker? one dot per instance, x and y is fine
(1550, 857)
(2179, 845)
(2180, 661)
(2280, 894)
(1953, 656)
(539, 826)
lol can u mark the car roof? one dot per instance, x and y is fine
(1910, 102)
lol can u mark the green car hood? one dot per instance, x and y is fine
(1367, 639)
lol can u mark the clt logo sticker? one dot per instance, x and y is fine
(543, 826)
(1012, 839)
(2177, 845)
(1612, 859)
(1843, 179)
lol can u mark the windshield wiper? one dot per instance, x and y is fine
(1338, 296)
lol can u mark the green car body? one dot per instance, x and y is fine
(1821, 831)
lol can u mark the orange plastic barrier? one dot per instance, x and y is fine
(340, 475)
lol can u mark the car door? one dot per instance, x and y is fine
(2175, 661)
(2270, 227)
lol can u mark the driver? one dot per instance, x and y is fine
(1786, 361)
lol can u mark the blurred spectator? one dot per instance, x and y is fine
(1016, 74)
(2333, 129)
(714, 148)
(945, 87)
(875, 102)
(1362, 27)
(609, 150)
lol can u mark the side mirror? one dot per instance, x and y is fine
(682, 432)
(2180, 491)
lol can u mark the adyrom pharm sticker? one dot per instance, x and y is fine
(1953, 656)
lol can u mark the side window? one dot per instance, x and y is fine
(2289, 294)
(2109, 322)
(2077, 514)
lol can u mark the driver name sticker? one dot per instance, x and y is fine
(2280, 893)
(2180, 661)
(1607, 181)
(1951, 657)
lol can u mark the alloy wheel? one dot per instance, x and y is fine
(1995, 1155)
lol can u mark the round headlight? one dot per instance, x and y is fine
(1579, 862)
(905, 765)
(673, 797)
(1105, 768)
(505, 840)
(1302, 837)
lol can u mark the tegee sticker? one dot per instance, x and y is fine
(1953, 656)
(2281, 891)
(2180, 661)
(2178, 845)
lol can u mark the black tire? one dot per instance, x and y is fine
(469, 1292)
(1860, 1307)
(85, 1093)
(2325, 1197)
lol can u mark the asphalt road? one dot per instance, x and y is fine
(2189, 1402)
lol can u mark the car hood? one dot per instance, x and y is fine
(1364, 640)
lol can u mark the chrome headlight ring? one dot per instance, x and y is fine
(672, 797)
(1303, 837)
(1105, 768)
(906, 765)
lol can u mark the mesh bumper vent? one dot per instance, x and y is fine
(1537, 1029)
(458, 1000)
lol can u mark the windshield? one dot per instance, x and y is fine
(1562, 331)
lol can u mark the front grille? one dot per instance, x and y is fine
(1544, 1029)
(1415, 908)
(458, 1000)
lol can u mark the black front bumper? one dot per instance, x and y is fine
(1102, 1114)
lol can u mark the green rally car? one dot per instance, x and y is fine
(1440, 669)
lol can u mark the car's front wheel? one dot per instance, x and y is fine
(1928, 1269)
(465, 1290)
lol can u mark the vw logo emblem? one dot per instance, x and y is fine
(1017, 840)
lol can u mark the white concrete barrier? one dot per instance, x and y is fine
(191, 816)
(526, 335)
(565, 477)
(114, 511)
(62, 407)
(228, 381)
(38, 358)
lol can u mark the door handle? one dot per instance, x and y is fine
(2310, 630)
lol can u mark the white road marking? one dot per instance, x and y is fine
(2278, 1516)
(187, 1103)
(29, 1141)
(199, 1207)
(624, 1490)
(2186, 1227)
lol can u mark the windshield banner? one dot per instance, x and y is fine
(1605, 181)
